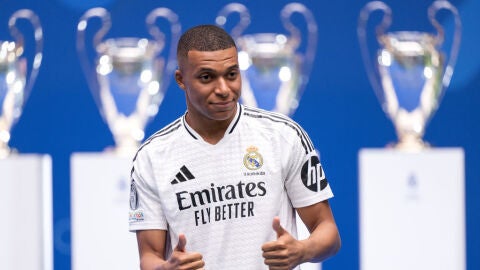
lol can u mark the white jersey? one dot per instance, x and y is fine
(224, 197)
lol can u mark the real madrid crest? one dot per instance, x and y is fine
(252, 159)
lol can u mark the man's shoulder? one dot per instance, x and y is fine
(165, 134)
(276, 126)
(270, 120)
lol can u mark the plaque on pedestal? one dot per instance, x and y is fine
(100, 189)
(26, 229)
(412, 209)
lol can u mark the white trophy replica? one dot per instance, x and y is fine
(17, 74)
(130, 75)
(409, 72)
(274, 71)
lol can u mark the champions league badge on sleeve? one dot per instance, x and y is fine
(135, 214)
(133, 196)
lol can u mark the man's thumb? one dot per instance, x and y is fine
(182, 242)
(277, 227)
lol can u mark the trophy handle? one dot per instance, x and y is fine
(159, 36)
(86, 64)
(365, 13)
(98, 12)
(38, 35)
(452, 58)
(295, 34)
(238, 29)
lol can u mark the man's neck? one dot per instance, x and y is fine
(212, 131)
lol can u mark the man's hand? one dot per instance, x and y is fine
(181, 259)
(284, 253)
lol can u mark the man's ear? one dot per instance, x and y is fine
(179, 79)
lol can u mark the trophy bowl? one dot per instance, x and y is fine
(409, 71)
(274, 70)
(17, 74)
(129, 76)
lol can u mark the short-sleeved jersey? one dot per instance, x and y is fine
(224, 197)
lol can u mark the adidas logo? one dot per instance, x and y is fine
(182, 176)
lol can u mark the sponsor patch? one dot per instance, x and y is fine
(313, 176)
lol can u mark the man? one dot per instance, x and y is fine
(218, 188)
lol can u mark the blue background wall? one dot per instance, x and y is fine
(338, 109)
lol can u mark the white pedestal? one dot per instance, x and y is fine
(100, 189)
(26, 229)
(412, 209)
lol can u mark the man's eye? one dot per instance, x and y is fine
(232, 75)
(205, 77)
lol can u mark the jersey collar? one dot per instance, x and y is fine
(230, 128)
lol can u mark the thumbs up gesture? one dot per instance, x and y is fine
(283, 253)
(182, 242)
(181, 259)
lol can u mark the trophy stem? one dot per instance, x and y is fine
(127, 134)
(4, 150)
(126, 149)
(411, 142)
(125, 145)
(4, 138)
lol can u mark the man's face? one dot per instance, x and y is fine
(212, 83)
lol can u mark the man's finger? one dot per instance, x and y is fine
(277, 227)
(182, 242)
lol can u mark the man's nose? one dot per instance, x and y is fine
(222, 88)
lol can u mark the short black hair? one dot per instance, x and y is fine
(204, 38)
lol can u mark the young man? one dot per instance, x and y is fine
(218, 188)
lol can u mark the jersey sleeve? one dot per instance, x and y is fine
(305, 182)
(145, 205)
